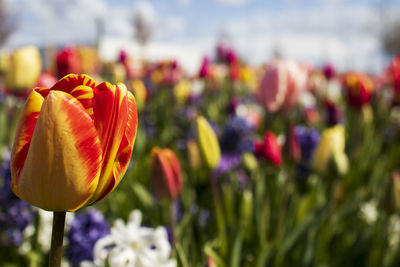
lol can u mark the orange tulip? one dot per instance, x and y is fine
(166, 173)
(73, 143)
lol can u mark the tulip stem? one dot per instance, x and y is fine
(57, 236)
(172, 218)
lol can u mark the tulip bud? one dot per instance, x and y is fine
(193, 154)
(205, 69)
(165, 173)
(68, 61)
(248, 76)
(249, 161)
(89, 59)
(24, 69)
(339, 163)
(182, 91)
(359, 89)
(208, 143)
(329, 71)
(331, 147)
(270, 150)
(73, 143)
(292, 146)
(234, 70)
(118, 73)
(140, 92)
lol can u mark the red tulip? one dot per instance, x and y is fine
(73, 143)
(270, 149)
(68, 61)
(392, 77)
(292, 145)
(166, 173)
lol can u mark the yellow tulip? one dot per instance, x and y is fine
(24, 69)
(331, 147)
(140, 92)
(208, 143)
(182, 91)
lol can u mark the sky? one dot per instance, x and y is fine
(343, 32)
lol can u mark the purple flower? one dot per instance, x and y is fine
(308, 139)
(236, 137)
(227, 163)
(85, 230)
(329, 71)
(15, 214)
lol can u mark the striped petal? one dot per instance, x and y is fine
(115, 118)
(79, 86)
(63, 163)
(25, 127)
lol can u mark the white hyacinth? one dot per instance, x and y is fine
(132, 245)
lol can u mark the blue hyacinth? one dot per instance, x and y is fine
(85, 230)
(308, 139)
(236, 137)
(15, 214)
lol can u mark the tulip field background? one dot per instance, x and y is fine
(279, 163)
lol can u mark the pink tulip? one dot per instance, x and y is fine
(281, 85)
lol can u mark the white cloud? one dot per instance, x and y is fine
(347, 36)
(232, 2)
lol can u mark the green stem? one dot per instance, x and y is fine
(172, 219)
(57, 236)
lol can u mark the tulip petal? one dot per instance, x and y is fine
(115, 117)
(66, 142)
(162, 175)
(175, 181)
(208, 143)
(124, 153)
(25, 127)
(69, 82)
(79, 86)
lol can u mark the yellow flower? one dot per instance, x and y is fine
(208, 143)
(24, 69)
(331, 147)
(182, 91)
(140, 92)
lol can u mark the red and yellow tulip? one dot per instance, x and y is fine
(166, 173)
(73, 143)
(359, 89)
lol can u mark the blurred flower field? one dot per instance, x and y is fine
(282, 164)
